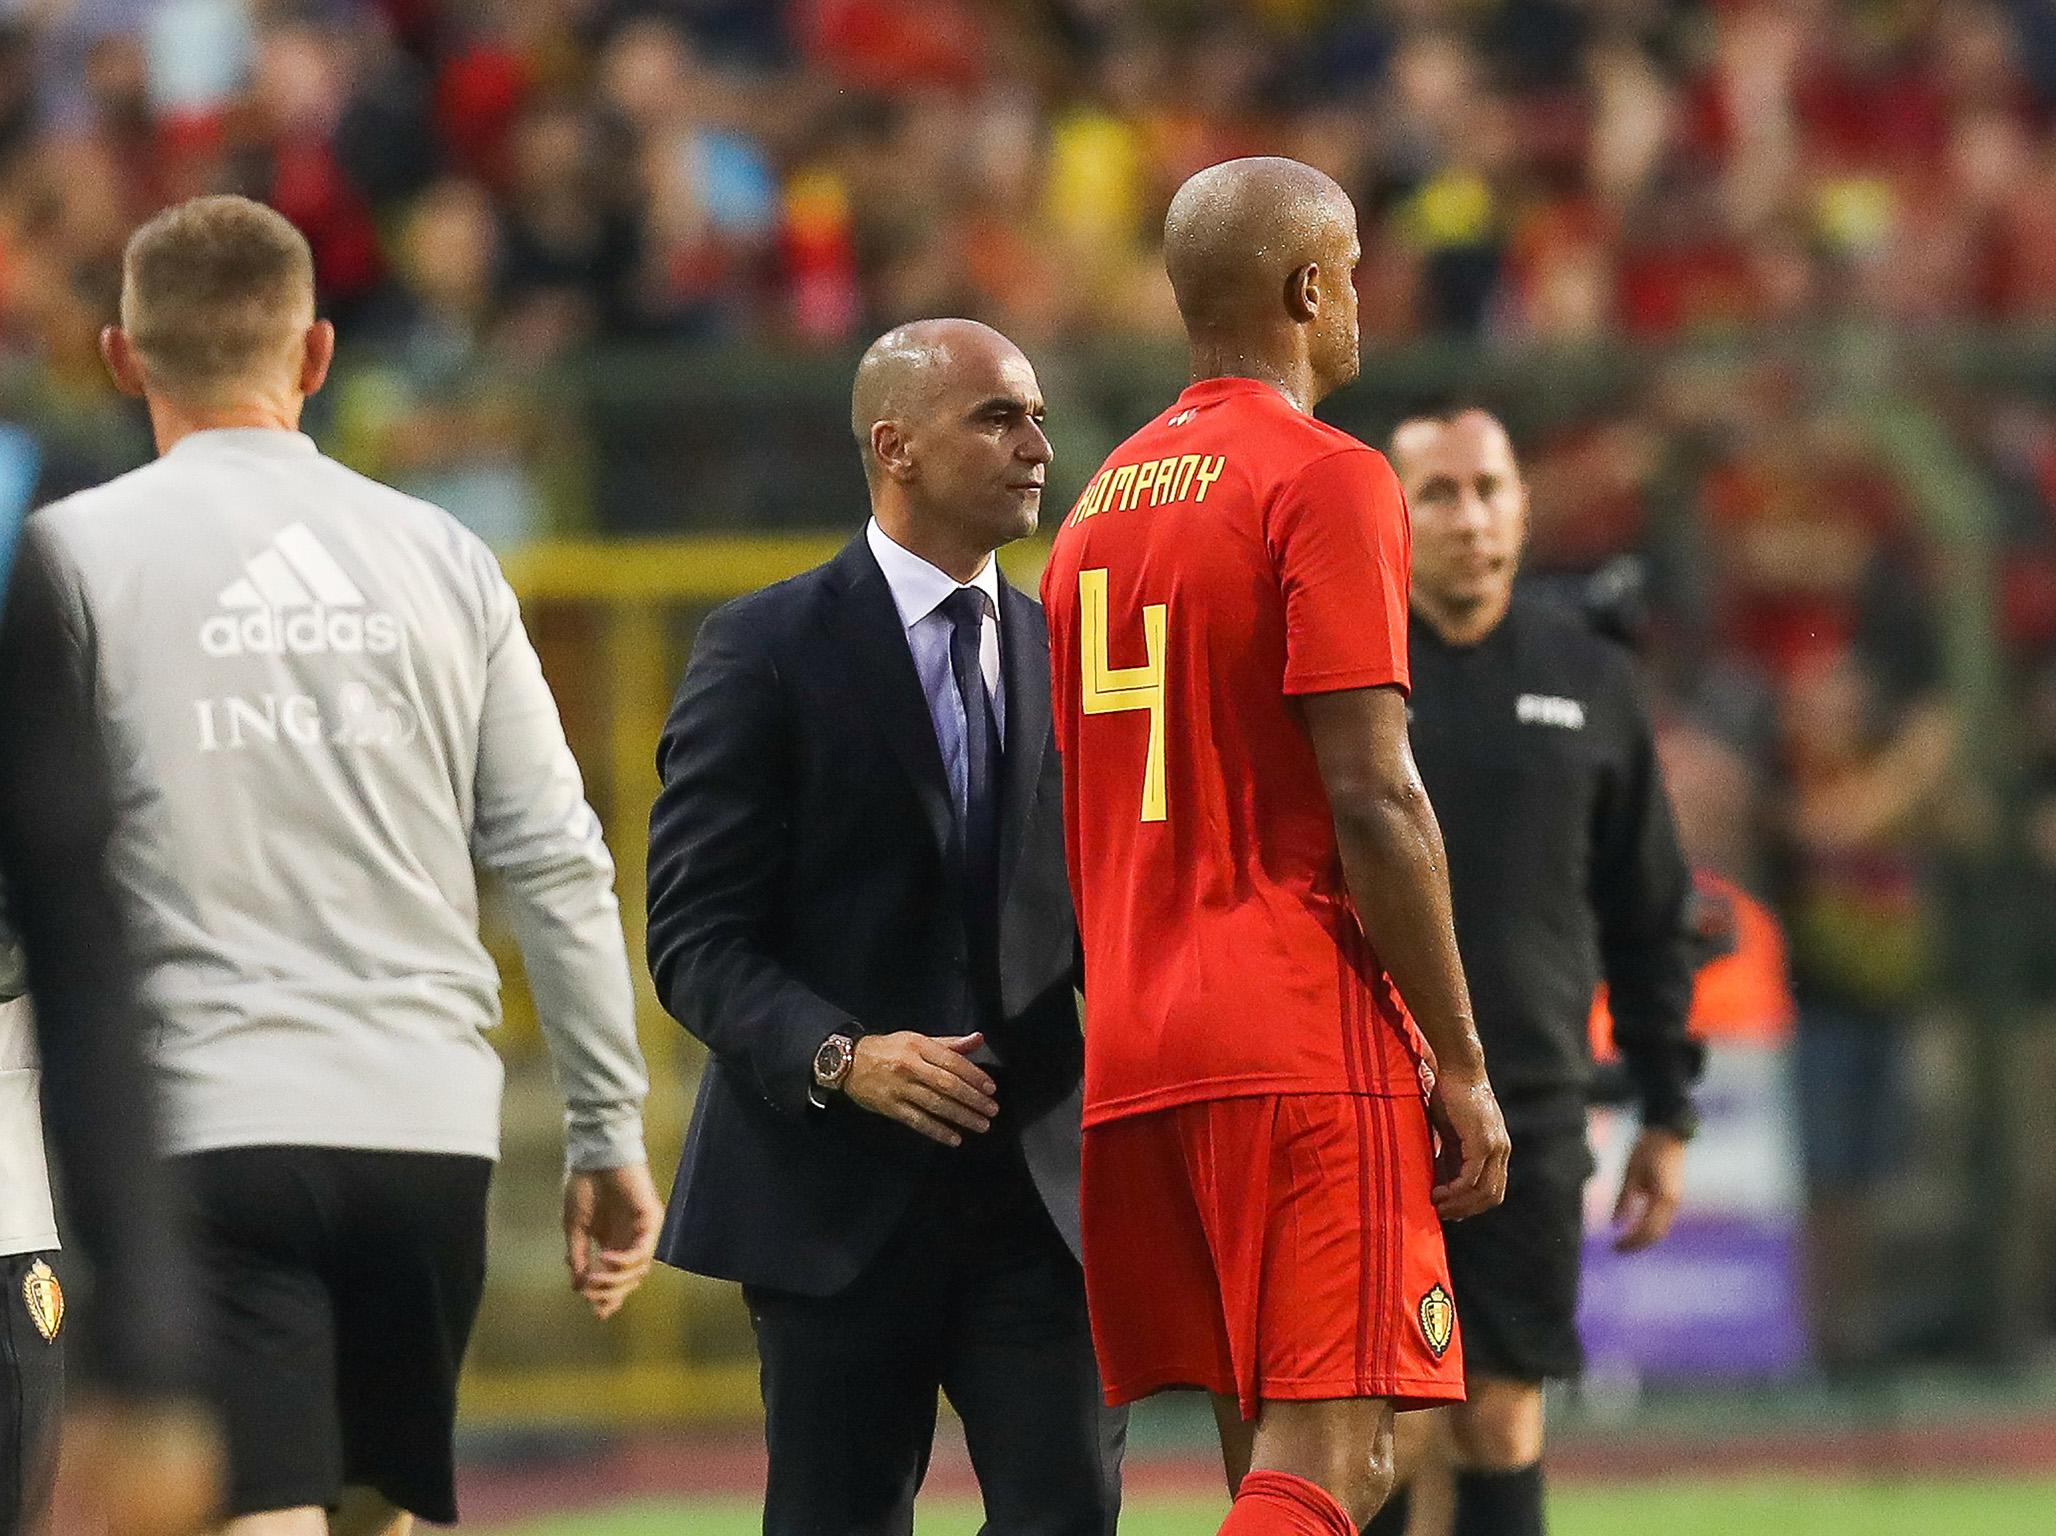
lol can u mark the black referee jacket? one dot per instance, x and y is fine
(1563, 862)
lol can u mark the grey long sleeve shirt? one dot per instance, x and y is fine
(323, 715)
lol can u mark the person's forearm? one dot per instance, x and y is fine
(1398, 876)
(1650, 988)
(743, 1005)
(569, 933)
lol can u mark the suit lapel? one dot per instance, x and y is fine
(876, 653)
(1024, 663)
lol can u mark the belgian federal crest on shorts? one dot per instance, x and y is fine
(44, 1298)
(1438, 1320)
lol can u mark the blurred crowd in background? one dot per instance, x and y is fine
(1714, 189)
(551, 171)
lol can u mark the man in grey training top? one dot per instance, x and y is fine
(323, 712)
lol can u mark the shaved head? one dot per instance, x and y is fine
(902, 374)
(1262, 255)
(1238, 231)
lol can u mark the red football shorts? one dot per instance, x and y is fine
(1282, 1247)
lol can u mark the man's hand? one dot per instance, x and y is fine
(1650, 1191)
(1474, 1138)
(925, 1082)
(137, 1469)
(611, 1218)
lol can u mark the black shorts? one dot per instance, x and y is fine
(31, 1392)
(1515, 1268)
(340, 1289)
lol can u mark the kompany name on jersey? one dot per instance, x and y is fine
(1151, 483)
(1548, 709)
(294, 599)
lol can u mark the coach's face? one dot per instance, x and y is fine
(1469, 505)
(977, 453)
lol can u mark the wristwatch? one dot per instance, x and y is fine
(833, 1061)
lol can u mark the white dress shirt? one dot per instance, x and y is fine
(919, 591)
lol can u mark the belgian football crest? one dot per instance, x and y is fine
(1438, 1320)
(44, 1298)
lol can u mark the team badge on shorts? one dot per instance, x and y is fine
(1438, 1320)
(44, 1298)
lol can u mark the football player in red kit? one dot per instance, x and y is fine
(1260, 882)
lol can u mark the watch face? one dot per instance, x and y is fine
(832, 1061)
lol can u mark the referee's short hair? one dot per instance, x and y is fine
(1442, 411)
(215, 292)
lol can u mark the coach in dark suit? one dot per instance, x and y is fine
(858, 901)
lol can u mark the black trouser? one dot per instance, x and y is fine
(975, 1295)
(31, 1401)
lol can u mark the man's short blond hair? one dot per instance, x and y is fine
(214, 293)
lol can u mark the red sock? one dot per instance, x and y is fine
(1279, 1504)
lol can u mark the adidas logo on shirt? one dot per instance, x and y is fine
(293, 599)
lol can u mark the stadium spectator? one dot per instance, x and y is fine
(1530, 169)
(325, 709)
(1861, 826)
(858, 903)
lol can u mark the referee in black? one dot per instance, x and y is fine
(1565, 872)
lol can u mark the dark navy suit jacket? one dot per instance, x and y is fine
(801, 884)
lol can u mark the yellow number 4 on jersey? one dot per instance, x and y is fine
(1111, 690)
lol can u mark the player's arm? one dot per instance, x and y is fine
(533, 829)
(1342, 545)
(1398, 876)
(720, 834)
(1641, 892)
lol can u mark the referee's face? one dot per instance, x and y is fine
(1470, 510)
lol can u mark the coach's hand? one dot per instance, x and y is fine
(1474, 1138)
(925, 1082)
(1650, 1191)
(611, 1218)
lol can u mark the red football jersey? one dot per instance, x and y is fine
(1231, 554)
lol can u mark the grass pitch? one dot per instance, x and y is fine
(1739, 1507)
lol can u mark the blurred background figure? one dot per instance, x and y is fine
(1759, 287)
(1857, 848)
(142, 1456)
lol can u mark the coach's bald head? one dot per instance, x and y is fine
(947, 415)
(1262, 256)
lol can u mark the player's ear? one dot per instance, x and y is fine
(317, 353)
(892, 449)
(123, 365)
(1303, 292)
